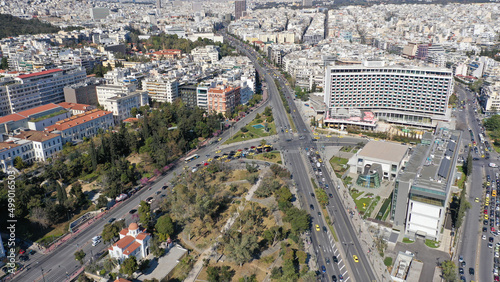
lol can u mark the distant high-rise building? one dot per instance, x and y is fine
(99, 13)
(307, 3)
(239, 8)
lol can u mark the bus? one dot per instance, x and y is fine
(481, 138)
(193, 157)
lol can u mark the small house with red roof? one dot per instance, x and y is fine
(134, 241)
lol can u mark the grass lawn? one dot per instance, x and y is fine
(291, 122)
(338, 165)
(253, 132)
(431, 243)
(459, 183)
(355, 194)
(360, 202)
(384, 209)
(372, 206)
(262, 157)
(407, 241)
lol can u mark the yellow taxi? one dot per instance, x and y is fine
(315, 133)
(228, 160)
(320, 160)
(220, 138)
(317, 228)
(209, 160)
(355, 258)
(286, 131)
(340, 136)
(317, 138)
(485, 216)
(218, 151)
(328, 136)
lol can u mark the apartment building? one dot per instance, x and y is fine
(82, 93)
(44, 144)
(31, 90)
(161, 89)
(120, 99)
(209, 53)
(416, 96)
(88, 124)
(223, 99)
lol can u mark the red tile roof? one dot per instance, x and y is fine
(37, 136)
(219, 89)
(23, 76)
(78, 119)
(132, 248)
(12, 117)
(75, 106)
(131, 120)
(124, 232)
(7, 145)
(124, 242)
(142, 236)
(38, 109)
(122, 280)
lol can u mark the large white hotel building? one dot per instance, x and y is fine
(416, 96)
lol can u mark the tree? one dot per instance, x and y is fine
(322, 197)
(79, 255)
(129, 266)
(93, 155)
(468, 169)
(299, 220)
(241, 248)
(19, 163)
(449, 271)
(5, 64)
(110, 232)
(61, 194)
(155, 247)
(164, 227)
(219, 274)
(144, 213)
(102, 202)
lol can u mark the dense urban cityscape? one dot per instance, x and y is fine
(249, 140)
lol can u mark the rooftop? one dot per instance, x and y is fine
(389, 151)
(78, 119)
(35, 74)
(124, 242)
(37, 136)
(38, 110)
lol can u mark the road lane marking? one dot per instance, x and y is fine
(342, 267)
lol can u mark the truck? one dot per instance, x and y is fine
(493, 165)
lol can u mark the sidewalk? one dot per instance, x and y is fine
(364, 236)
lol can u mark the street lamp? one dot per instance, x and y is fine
(41, 269)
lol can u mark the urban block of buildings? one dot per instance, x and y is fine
(423, 189)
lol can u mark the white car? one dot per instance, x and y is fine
(484, 237)
(95, 243)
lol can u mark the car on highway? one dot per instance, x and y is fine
(355, 258)
(461, 271)
(312, 207)
(327, 261)
(334, 278)
(335, 259)
(323, 269)
(111, 220)
(317, 228)
(325, 230)
(341, 277)
(132, 211)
